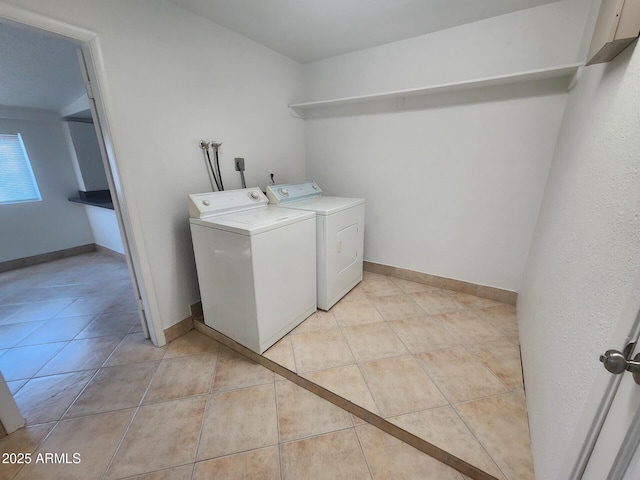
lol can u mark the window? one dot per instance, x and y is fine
(17, 183)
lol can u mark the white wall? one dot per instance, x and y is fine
(85, 152)
(585, 254)
(104, 228)
(452, 190)
(171, 79)
(54, 223)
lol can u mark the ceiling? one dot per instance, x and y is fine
(309, 30)
(38, 70)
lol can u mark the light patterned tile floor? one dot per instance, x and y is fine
(192, 409)
(442, 365)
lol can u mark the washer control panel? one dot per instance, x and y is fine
(203, 205)
(292, 192)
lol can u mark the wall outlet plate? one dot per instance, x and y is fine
(239, 164)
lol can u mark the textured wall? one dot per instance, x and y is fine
(585, 254)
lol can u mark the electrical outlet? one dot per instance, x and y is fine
(239, 164)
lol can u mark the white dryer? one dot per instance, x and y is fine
(256, 265)
(339, 233)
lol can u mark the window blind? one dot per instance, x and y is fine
(17, 183)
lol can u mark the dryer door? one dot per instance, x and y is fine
(341, 269)
(347, 248)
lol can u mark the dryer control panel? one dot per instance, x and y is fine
(292, 192)
(203, 205)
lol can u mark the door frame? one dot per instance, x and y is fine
(10, 417)
(89, 43)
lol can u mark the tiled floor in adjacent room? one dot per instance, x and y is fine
(442, 365)
(89, 383)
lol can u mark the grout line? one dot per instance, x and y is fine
(366, 459)
(426, 372)
(485, 366)
(213, 373)
(346, 341)
(146, 390)
(508, 392)
(204, 417)
(137, 409)
(66, 343)
(226, 455)
(239, 452)
(137, 475)
(368, 388)
(80, 393)
(39, 444)
(115, 451)
(293, 350)
(315, 435)
(357, 364)
(275, 395)
(478, 440)
(280, 460)
(275, 401)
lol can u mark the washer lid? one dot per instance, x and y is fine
(292, 192)
(254, 221)
(325, 205)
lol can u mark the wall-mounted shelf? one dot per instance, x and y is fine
(534, 82)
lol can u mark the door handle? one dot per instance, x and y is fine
(618, 362)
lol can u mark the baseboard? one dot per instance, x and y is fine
(491, 293)
(184, 325)
(111, 253)
(46, 257)
(357, 410)
(179, 329)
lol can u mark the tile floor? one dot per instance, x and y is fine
(442, 365)
(87, 382)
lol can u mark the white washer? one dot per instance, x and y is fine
(339, 236)
(256, 265)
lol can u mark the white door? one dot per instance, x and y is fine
(610, 449)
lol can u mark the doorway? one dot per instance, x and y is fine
(79, 294)
(86, 109)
